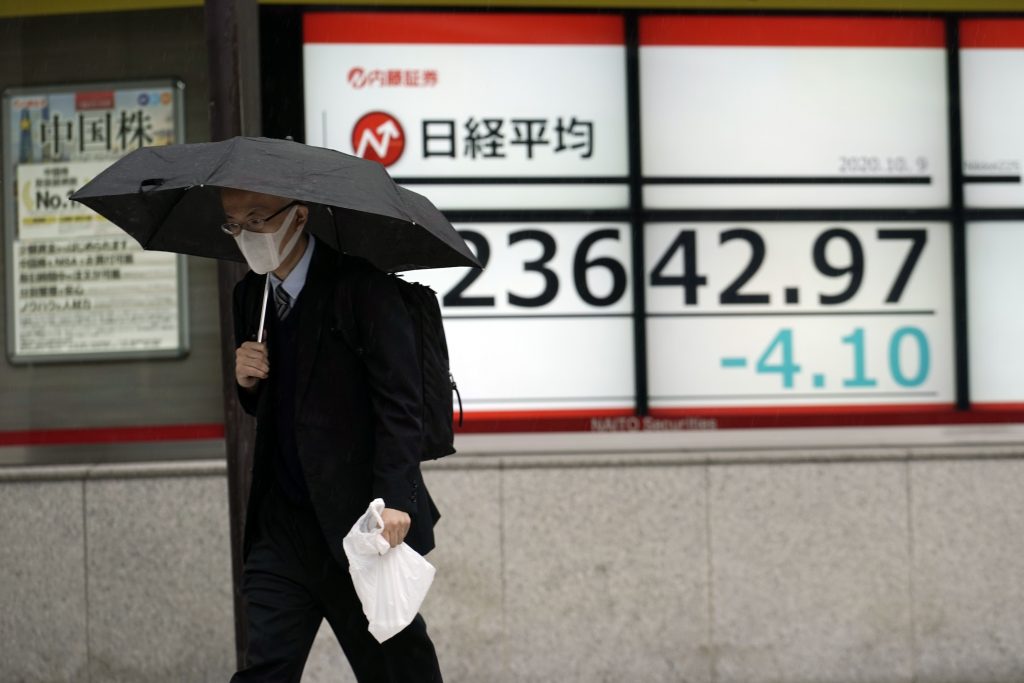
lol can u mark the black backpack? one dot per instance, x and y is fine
(437, 381)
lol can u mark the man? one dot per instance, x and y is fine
(336, 428)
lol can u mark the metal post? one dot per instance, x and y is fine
(232, 41)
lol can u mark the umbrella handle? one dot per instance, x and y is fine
(263, 311)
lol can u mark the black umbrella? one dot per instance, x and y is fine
(168, 199)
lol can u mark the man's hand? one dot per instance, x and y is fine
(396, 525)
(251, 364)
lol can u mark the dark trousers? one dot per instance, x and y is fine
(290, 583)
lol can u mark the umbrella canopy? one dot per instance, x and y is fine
(168, 198)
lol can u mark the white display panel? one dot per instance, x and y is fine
(992, 108)
(547, 325)
(995, 323)
(799, 314)
(475, 111)
(794, 112)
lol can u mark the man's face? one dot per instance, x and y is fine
(241, 207)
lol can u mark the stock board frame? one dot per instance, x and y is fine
(281, 29)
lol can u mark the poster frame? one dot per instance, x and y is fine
(9, 217)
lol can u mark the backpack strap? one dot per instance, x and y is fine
(455, 388)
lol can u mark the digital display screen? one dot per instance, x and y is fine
(547, 328)
(995, 290)
(793, 112)
(634, 298)
(798, 314)
(992, 107)
(476, 111)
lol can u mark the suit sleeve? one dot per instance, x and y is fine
(248, 399)
(391, 359)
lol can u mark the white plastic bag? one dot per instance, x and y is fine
(390, 582)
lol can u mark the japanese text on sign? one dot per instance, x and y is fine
(359, 78)
(96, 132)
(494, 138)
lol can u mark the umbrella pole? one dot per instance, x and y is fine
(263, 311)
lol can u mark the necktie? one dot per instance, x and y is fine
(283, 302)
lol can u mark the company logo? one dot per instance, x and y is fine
(30, 103)
(378, 136)
(359, 78)
(148, 99)
(85, 101)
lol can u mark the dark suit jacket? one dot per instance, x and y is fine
(357, 410)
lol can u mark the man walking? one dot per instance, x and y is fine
(336, 427)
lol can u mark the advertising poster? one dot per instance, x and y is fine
(78, 287)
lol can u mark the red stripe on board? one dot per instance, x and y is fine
(512, 421)
(792, 31)
(712, 421)
(91, 435)
(892, 419)
(584, 421)
(860, 409)
(679, 419)
(463, 28)
(817, 416)
(992, 33)
(1005, 407)
(500, 415)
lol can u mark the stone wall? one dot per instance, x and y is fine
(861, 563)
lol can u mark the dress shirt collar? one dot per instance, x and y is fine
(296, 279)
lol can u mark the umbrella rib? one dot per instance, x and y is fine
(163, 219)
(224, 158)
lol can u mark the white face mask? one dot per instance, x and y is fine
(263, 251)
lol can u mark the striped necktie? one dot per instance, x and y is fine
(283, 302)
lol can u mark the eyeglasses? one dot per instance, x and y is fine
(253, 224)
